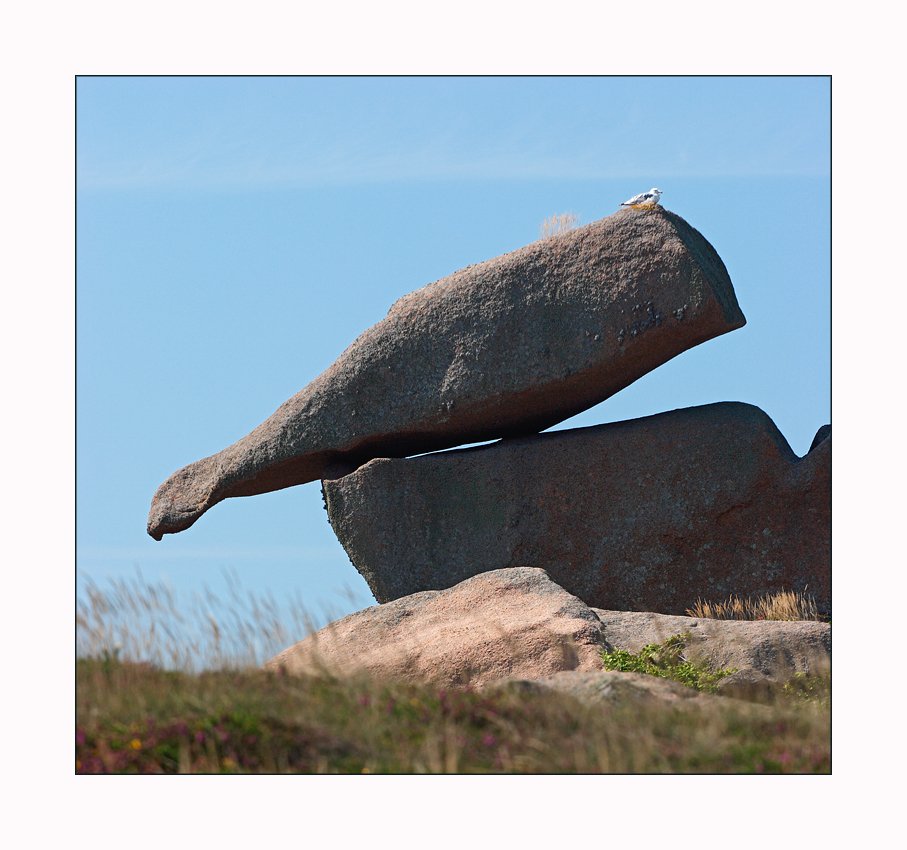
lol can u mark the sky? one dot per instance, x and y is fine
(235, 235)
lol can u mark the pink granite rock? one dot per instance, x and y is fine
(514, 622)
(507, 347)
(610, 689)
(517, 627)
(763, 653)
(644, 515)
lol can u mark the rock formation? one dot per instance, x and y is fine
(507, 347)
(513, 562)
(518, 625)
(764, 652)
(607, 689)
(514, 622)
(645, 515)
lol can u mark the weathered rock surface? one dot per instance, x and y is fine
(514, 622)
(507, 347)
(518, 628)
(644, 515)
(611, 689)
(765, 652)
(609, 686)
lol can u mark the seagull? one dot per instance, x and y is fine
(646, 200)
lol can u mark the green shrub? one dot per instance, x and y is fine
(804, 688)
(666, 660)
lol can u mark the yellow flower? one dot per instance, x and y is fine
(136, 744)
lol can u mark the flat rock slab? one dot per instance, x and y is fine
(514, 622)
(650, 514)
(764, 652)
(611, 689)
(507, 347)
(609, 686)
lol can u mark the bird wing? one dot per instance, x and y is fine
(638, 199)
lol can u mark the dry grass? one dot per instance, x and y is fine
(784, 605)
(134, 719)
(137, 622)
(164, 689)
(559, 224)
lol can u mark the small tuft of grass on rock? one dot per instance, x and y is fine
(784, 605)
(804, 688)
(562, 223)
(666, 660)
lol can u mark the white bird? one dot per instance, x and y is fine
(646, 199)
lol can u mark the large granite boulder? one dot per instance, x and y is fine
(514, 622)
(507, 347)
(650, 514)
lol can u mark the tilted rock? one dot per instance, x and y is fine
(507, 347)
(650, 514)
(514, 622)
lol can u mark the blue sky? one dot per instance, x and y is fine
(234, 235)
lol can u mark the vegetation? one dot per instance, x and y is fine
(219, 713)
(559, 224)
(804, 688)
(137, 719)
(785, 605)
(142, 622)
(666, 660)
